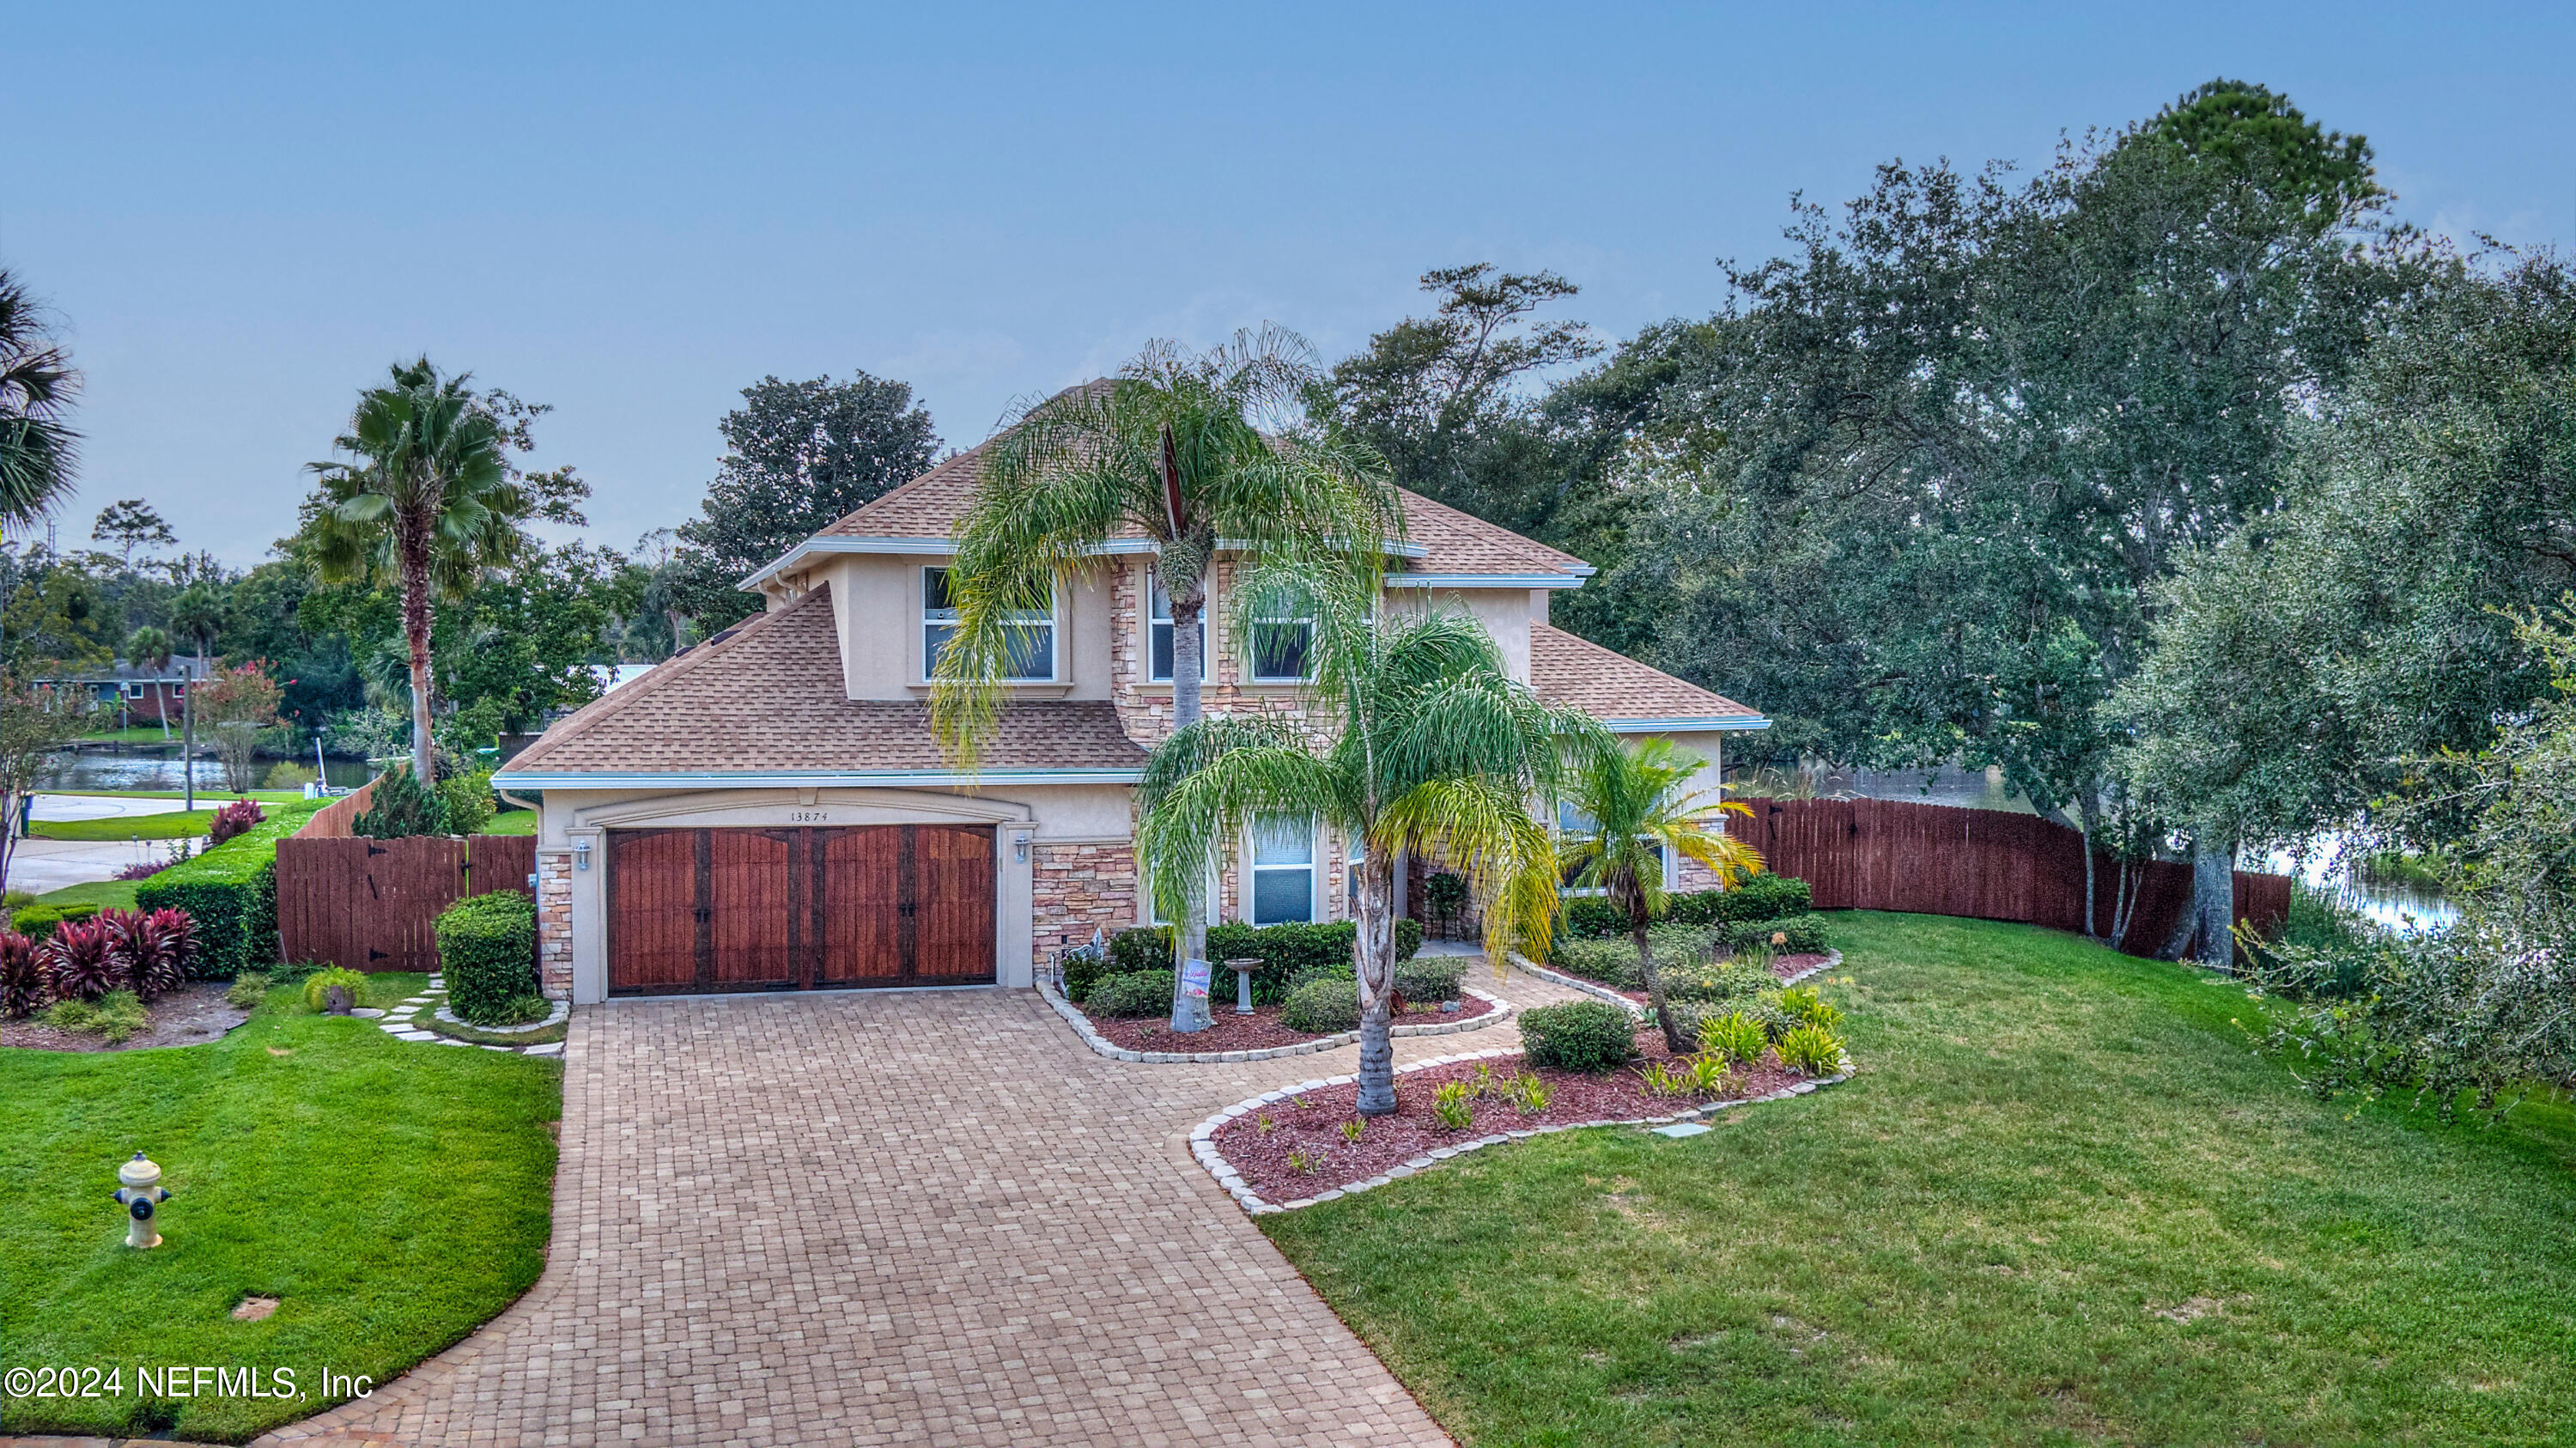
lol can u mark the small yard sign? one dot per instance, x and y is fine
(1194, 978)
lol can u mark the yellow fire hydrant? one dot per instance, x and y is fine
(138, 1190)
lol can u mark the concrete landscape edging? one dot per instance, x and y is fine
(1102, 1045)
(400, 1023)
(1203, 1136)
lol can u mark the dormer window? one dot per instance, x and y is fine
(1032, 635)
(1162, 627)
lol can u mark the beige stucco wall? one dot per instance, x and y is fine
(876, 604)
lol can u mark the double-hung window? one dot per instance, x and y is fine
(1283, 868)
(1160, 620)
(1031, 634)
(1283, 650)
(1574, 822)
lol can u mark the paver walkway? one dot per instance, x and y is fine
(917, 1217)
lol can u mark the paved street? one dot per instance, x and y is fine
(914, 1217)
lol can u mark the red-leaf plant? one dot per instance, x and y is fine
(154, 950)
(81, 960)
(22, 980)
(234, 819)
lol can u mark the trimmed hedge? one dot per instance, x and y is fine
(1764, 897)
(231, 892)
(1613, 962)
(1430, 979)
(37, 922)
(1293, 953)
(1134, 993)
(1578, 1036)
(1323, 1006)
(1806, 935)
(487, 951)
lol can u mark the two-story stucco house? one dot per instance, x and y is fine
(771, 810)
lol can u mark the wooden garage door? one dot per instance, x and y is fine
(775, 909)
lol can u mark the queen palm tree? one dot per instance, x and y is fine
(426, 498)
(1433, 748)
(1636, 810)
(36, 387)
(1192, 451)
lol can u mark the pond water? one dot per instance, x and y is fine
(143, 766)
(2398, 902)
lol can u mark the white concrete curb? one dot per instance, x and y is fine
(399, 1024)
(1522, 963)
(1102, 1045)
(1203, 1136)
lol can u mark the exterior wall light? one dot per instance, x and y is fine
(1020, 848)
(581, 854)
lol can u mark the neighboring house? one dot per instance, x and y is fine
(141, 694)
(770, 809)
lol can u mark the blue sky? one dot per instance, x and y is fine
(631, 213)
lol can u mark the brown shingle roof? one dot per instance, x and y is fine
(769, 698)
(1453, 542)
(1565, 669)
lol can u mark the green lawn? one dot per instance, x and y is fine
(105, 894)
(137, 734)
(2063, 1203)
(392, 1196)
(511, 822)
(204, 791)
(175, 825)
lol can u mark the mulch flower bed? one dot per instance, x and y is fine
(1258, 1031)
(191, 1015)
(1783, 968)
(1263, 1157)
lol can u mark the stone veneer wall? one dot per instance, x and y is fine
(554, 923)
(1076, 889)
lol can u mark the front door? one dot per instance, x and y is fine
(777, 909)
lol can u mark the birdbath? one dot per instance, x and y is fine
(1244, 970)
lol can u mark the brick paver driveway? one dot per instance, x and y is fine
(911, 1217)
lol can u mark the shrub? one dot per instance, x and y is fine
(235, 820)
(231, 894)
(465, 801)
(1578, 1036)
(400, 808)
(1811, 1051)
(520, 1010)
(295, 972)
(1530, 1094)
(1132, 993)
(80, 960)
(247, 990)
(1804, 934)
(1292, 954)
(22, 979)
(1430, 978)
(1451, 1106)
(1808, 1008)
(1147, 947)
(487, 951)
(1734, 1037)
(1715, 981)
(38, 921)
(1324, 1007)
(115, 1015)
(1764, 897)
(287, 774)
(1611, 962)
(151, 948)
(317, 986)
(16, 899)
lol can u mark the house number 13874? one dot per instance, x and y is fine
(809, 817)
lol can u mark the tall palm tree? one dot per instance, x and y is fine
(1194, 451)
(427, 497)
(1636, 811)
(36, 387)
(149, 648)
(1433, 748)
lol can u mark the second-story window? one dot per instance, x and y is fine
(1032, 635)
(1161, 623)
(1283, 650)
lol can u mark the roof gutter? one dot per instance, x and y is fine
(1484, 580)
(805, 778)
(831, 544)
(1685, 726)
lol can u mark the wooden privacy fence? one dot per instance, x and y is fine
(331, 822)
(368, 904)
(1877, 854)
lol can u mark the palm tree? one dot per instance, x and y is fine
(149, 647)
(1174, 449)
(36, 387)
(427, 499)
(1636, 812)
(1433, 748)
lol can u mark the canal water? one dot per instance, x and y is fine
(150, 767)
(2398, 902)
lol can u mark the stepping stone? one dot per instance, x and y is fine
(415, 1036)
(415, 1000)
(450, 1041)
(551, 1048)
(367, 1013)
(1687, 1128)
(503, 1049)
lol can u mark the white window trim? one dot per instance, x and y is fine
(1207, 655)
(1148, 914)
(1053, 619)
(1252, 655)
(1314, 868)
(1672, 870)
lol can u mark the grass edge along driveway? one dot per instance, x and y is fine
(392, 1196)
(2063, 1203)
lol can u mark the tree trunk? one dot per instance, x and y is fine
(1189, 602)
(416, 622)
(1374, 952)
(2084, 834)
(161, 706)
(8, 833)
(2213, 896)
(1633, 900)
